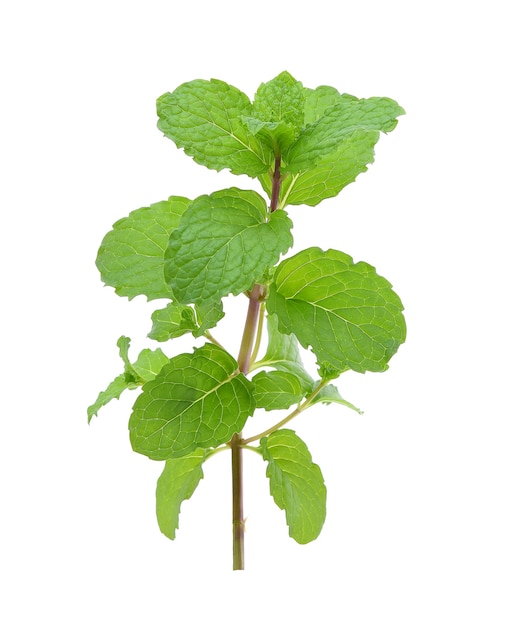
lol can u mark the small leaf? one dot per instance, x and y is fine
(131, 255)
(346, 312)
(276, 390)
(177, 483)
(278, 116)
(204, 118)
(148, 365)
(173, 321)
(330, 394)
(223, 245)
(277, 135)
(113, 391)
(340, 121)
(197, 400)
(283, 354)
(176, 320)
(123, 343)
(208, 315)
(282, 99)
(296, 483)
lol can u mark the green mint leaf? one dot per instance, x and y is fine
(277, 117)
(276, 390)
(149, 363)
(177, 483)
(197, 400)
(297, 484)
(113, 391)
(330, 394)
(346, 312)
(173, 321)
(340, 121)
(281, 99)
(224, 243)
(123, 343)
(277, 135)
(176, 320)
(333, 172)
(317, 101)
(131, 255)
(283, 355)
(204, 118)
(147, 366)
(342, 162)
(208, 314)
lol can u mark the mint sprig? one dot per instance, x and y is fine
(303, 145)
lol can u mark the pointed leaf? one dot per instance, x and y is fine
(276, 390)
(340, 121)
(346, 312)
(197, 400)
(330, 394)
(204, 118)
(278, 116)
(113, 391)
(177, 483)
(131, 376)
(223, 245)
(147, 366)
(281, 99)
(297, 484)
(131, 256)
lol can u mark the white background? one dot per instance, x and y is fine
(420, 488)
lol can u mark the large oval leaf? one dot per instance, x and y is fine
(345, 311)
(224, 243)
(197, 400)
(204, 118)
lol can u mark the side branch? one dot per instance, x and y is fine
(299, 409)
(250, 328)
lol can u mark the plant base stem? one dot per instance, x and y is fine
(237, 504)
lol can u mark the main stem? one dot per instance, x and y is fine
(244, 361)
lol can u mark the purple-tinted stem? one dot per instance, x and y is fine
(244, 361)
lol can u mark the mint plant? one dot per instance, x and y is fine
(303, 145)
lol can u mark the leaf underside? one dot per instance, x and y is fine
(177, 483)
(296, 484)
